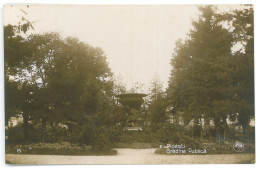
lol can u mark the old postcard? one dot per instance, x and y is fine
(129, 84)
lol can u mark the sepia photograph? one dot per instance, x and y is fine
(129, 84)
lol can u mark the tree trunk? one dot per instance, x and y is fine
(43, 129)
(218, 138)
(201, 130)
(25, 128)
(53, 131)
(248, 137)
(217, 124)
(224, 136)
(192, 132)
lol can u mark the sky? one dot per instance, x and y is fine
(138, 40)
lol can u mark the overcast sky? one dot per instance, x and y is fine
(137, 40)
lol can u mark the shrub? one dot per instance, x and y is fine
(15, 134)
(160, 151)
(141, 145)
(64, 148)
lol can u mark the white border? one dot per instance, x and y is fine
(126, 2)
(133, 2)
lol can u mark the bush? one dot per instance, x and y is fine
(15, 134)
(168, 134)
(141, 145)
(64, 148)
(136, 136)
(189, 142)
(160, 151)
(137, 145)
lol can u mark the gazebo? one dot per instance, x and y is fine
(132, 100)
(132, 103)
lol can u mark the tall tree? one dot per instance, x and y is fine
(15, 52)
(241, 24)
(157, 104)
(211, 78)
(199, 85)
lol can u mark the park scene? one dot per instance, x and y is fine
(129, 84)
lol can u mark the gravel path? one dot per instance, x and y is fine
(131, 156)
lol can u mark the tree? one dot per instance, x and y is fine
(157, 105)
(15, 52)
(60, 80)
(82, 90)
(137, 88)
(200, 84)
(50, 81)
(241, 22)
(211, 78)
(119, 86)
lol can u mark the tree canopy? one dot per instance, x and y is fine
(210, 78)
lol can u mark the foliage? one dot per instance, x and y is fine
(55, 82)
(210, 79)
(65, 91)
(157, 105)
(15, 134)
(63, 148)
